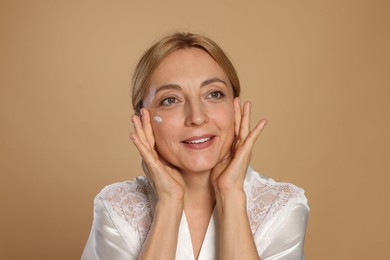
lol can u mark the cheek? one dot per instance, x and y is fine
(225, 118)
(166, 140)
(162, 139)
(164, 128)
(159, 131)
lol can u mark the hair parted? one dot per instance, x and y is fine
(165, 46)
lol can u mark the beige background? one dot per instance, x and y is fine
(318, 70)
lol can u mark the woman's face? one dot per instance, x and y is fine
(194, 99)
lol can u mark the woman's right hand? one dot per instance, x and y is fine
(164, 178)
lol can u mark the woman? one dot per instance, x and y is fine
(200, 199)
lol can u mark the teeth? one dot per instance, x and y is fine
(199, 141)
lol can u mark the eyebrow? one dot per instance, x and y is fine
(211, 81)
(177, 87)
(167, 86)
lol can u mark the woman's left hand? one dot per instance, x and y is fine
(228, 176)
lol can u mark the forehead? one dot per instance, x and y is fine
(191, 64)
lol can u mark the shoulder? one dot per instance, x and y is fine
(125, 192)
(129, 203)
(260, 186)
(268, 199)
(257, 185)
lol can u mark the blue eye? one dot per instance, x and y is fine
(216, 95)
(168, 101)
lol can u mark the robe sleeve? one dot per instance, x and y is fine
(105, 240)
(288, 234)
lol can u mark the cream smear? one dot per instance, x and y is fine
(158, 119)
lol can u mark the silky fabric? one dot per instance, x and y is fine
(123, 213)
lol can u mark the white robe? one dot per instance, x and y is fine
(124, 211)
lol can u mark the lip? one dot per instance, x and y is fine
(205, 141)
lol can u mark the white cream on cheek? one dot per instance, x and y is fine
(158, 119)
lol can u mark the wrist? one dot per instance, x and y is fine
(170, 198)
(232, 199)
(231, 194)
(170, 205)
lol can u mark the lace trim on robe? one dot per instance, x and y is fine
(134, 202)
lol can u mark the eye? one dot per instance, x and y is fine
(216, 95)
(168, 101)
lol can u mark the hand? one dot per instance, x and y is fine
(228, 176)
(165, 179)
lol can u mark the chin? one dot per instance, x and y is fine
(200, 167)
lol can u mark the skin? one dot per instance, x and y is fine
(194, 97)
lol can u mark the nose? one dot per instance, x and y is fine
(196, 114)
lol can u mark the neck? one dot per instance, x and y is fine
(199, 191)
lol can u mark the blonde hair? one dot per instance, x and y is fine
(168, 44)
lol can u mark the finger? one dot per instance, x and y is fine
(245, 121)
(220, 167)
(143, 149)
(139, 131)
(254, 134)
(150, 164)
(243, 152)
(237, 116)
(147, 127)
(149, 175)
(145, 168)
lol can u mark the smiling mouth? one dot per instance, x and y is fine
(198, 141)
